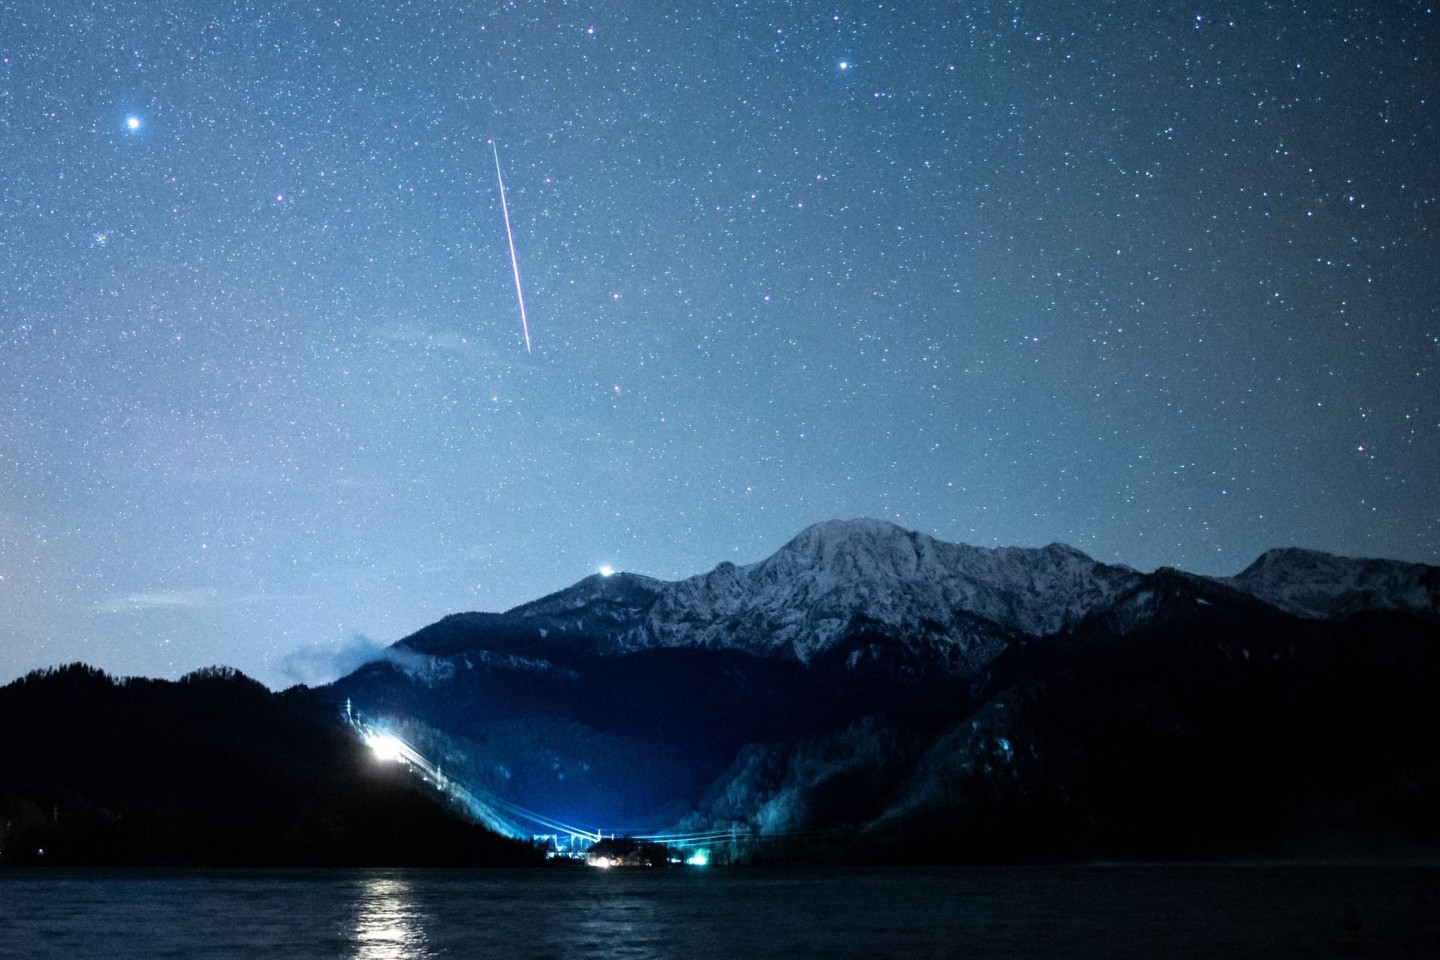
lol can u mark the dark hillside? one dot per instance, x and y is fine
(212, 769)
(1304, 738)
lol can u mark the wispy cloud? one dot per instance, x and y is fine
(323, 662)
(449, 341)
(141, 600)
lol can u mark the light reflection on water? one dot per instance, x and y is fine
(623, 927)
(1054, 913)
(389, 924)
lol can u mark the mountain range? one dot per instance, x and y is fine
(866, 694)
(869, 692)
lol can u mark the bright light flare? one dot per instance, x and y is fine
(386, 747)
(607, 571)
(132, 122)
(699, 859)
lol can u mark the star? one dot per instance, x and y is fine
(337, 283)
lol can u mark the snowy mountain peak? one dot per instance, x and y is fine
(602, 604)
(803, 598)
(837, 534)
(840, 586)
(846, 548)
(1311, 583)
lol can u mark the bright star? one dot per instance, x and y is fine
(132, 122)
(844, 65)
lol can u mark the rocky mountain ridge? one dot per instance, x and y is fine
(1319, 585)
(815, 590)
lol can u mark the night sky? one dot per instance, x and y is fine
(1159, 281)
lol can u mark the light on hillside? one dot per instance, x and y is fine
(386, 747)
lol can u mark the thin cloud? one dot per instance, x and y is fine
(321, 663)
(140, 601)
(447, 340)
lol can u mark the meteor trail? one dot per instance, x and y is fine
(510, 238)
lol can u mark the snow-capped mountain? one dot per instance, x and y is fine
(600, 605)
(815, 591)
(802, 599)
(1309, 583)
(805, 598)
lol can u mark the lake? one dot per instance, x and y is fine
(1108, 911)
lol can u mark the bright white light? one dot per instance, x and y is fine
(132, 122)
(386, 747)
(607, 571)
(602, 862)
(700, 859)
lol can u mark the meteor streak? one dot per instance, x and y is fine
(510, 238)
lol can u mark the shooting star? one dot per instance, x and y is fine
(510, 238)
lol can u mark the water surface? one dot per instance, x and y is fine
(1273, 912)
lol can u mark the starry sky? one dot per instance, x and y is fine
(1156, 280)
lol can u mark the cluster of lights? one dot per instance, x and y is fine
(391, 749)
(699, 858)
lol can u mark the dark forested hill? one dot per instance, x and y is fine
(212, 769)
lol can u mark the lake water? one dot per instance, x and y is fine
(1272, 912)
